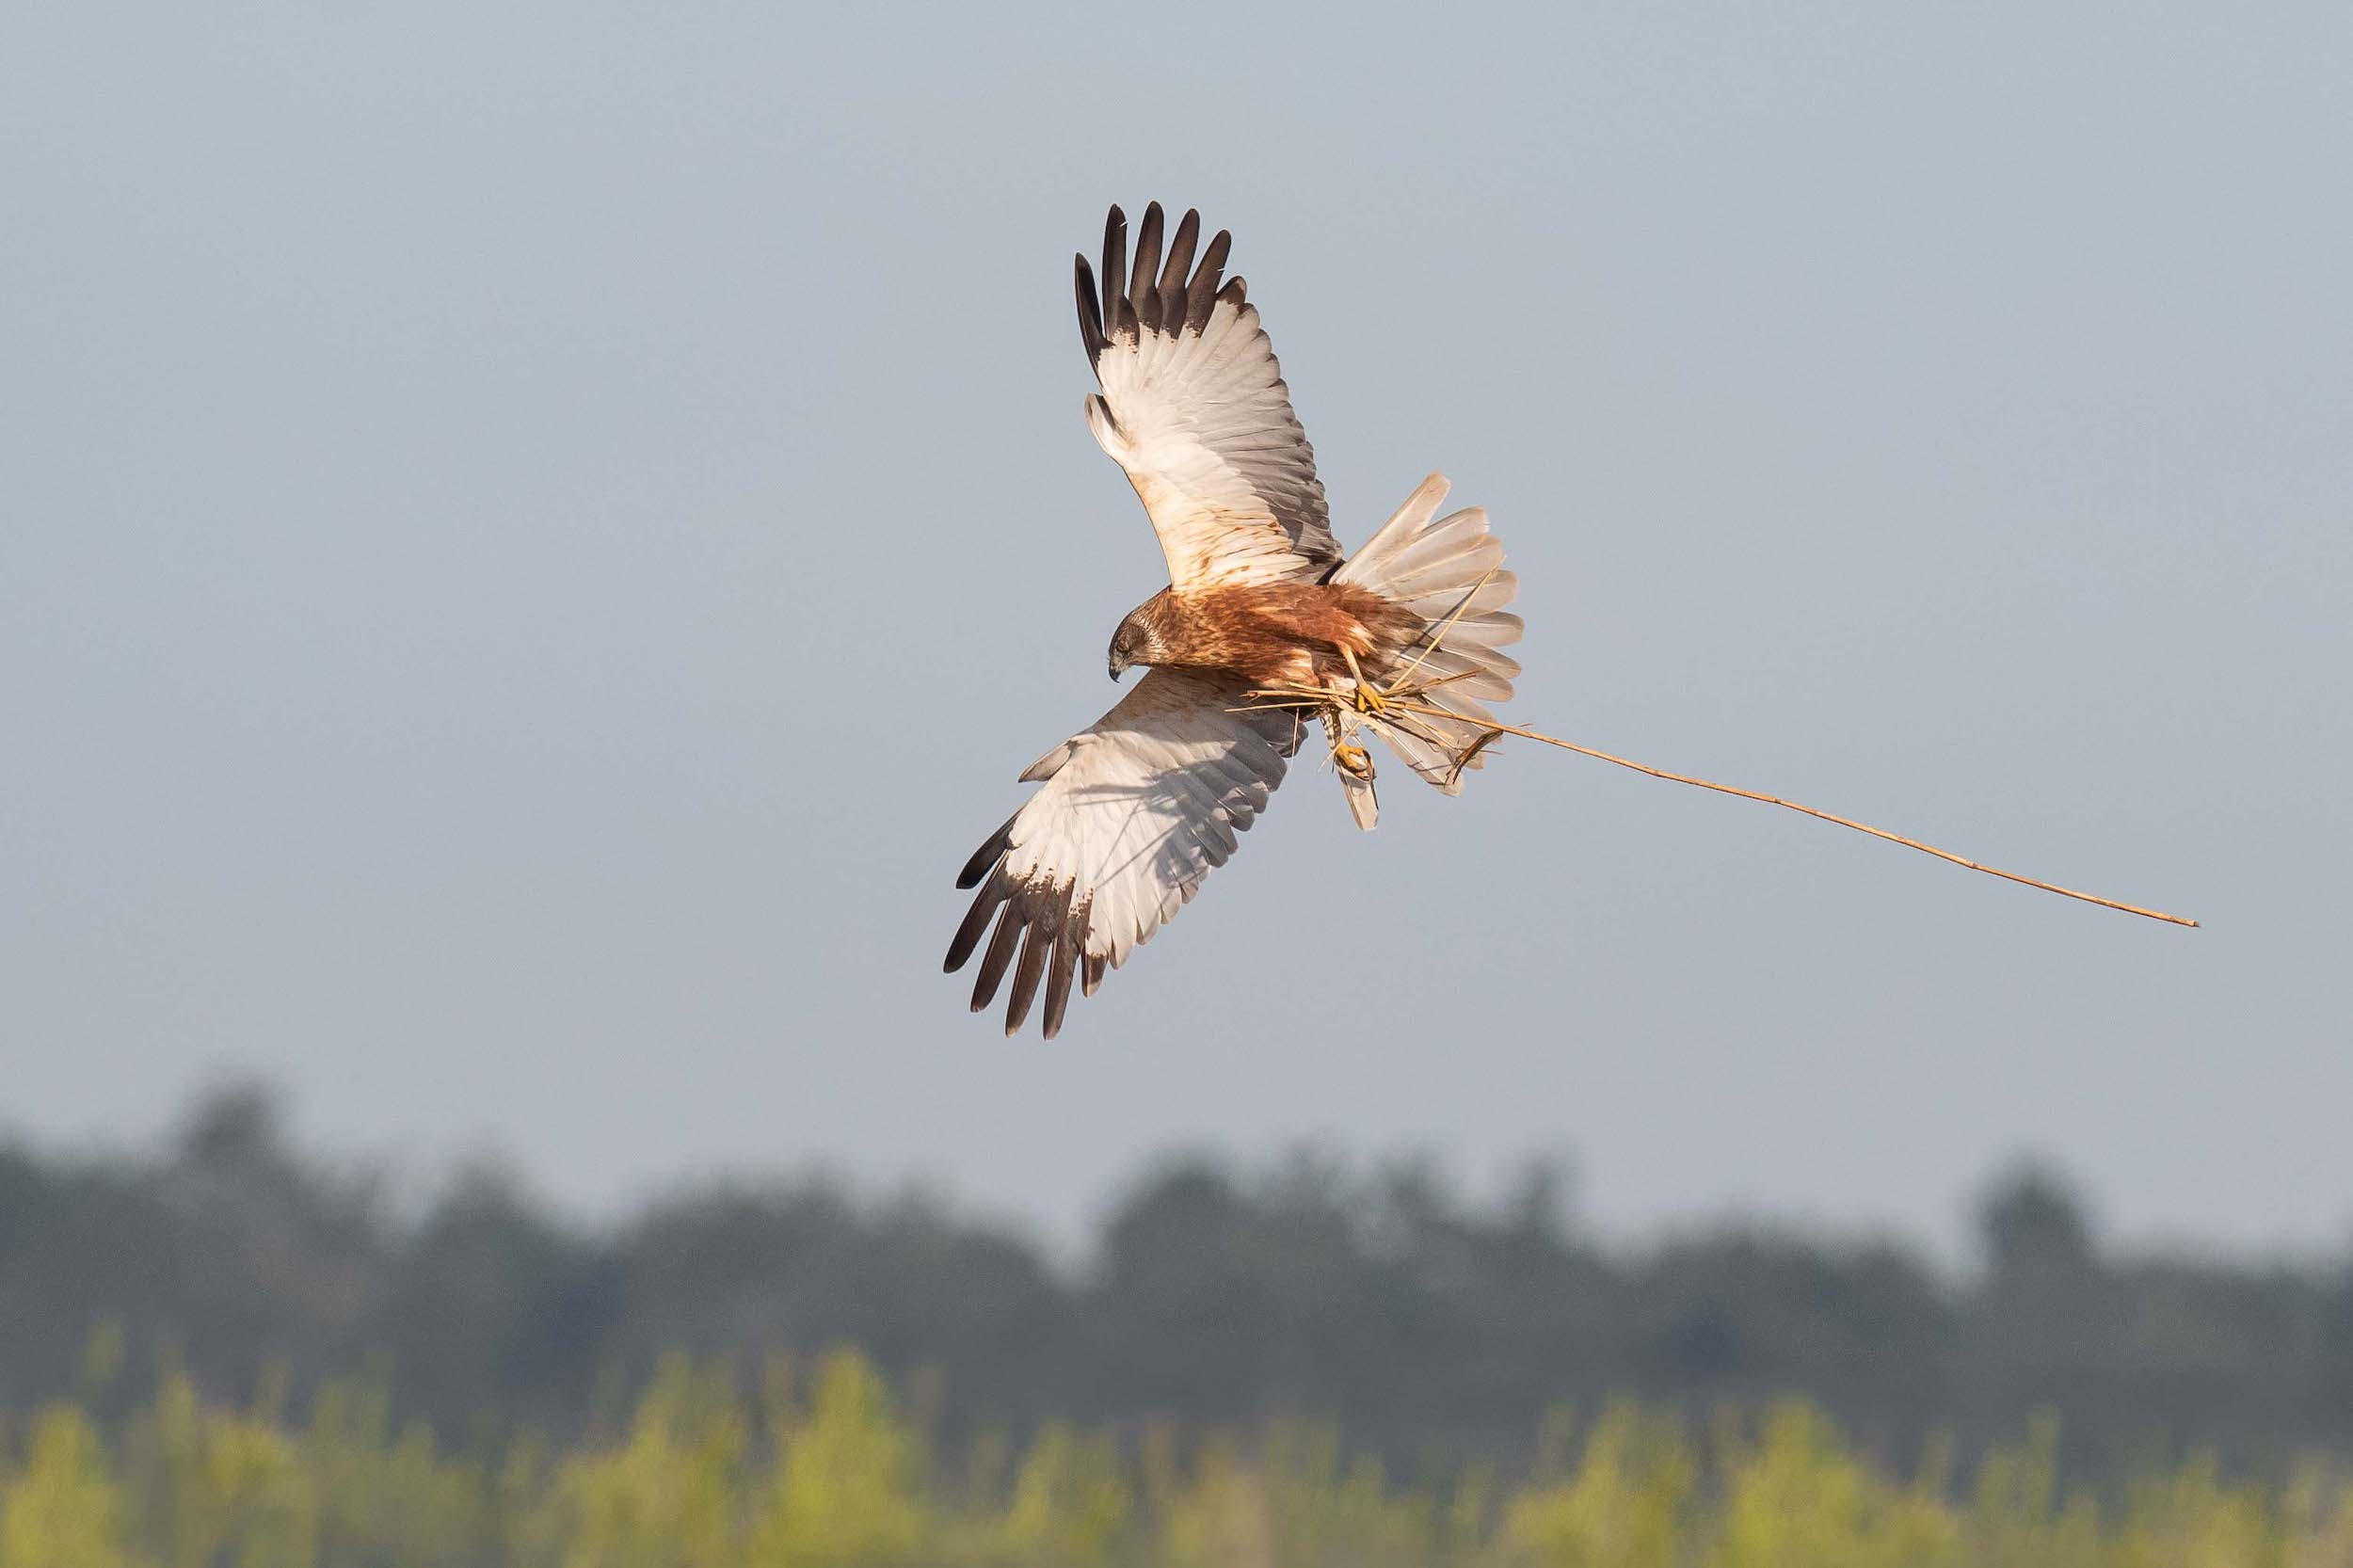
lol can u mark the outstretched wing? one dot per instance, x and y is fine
(1134, 813)
(1194, 407)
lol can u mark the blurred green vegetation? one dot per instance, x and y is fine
(829, 1470)
(229, 1269)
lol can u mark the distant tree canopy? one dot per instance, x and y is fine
(1421, 1322)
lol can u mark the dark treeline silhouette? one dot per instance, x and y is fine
(1422, 1324)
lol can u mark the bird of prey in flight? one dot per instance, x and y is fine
(1263, 626)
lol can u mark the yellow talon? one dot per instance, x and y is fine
(1356, 759)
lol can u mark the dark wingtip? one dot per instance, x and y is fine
(1178, 268)
(1046, 914)
(1028, 971)
(1090, 309)
(1000, 951)
(986, 856)
(1153, 292)
(1067, 942)
(1114, 266)
(1146, 268)
(969, 930)
(1201, 294)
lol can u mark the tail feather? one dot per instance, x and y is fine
(1488, 630)
(1422, 566)
(1449, 571)
(1443, 560)
(1463, 593)
(1465, 673)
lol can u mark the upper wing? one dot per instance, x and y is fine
(1194, 407)
(1134, 813)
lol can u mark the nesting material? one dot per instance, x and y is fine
(1407, 709)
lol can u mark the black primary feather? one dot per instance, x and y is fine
(1201, 297)
(1179, 263)
(1068, 943)
(975, 921)
(1001, 947)
(1114, 264)
(1147, 257)
(987, 855)
(1090, 313)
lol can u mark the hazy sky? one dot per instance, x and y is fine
(533, 540)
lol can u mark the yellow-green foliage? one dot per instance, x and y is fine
(1801, 1497)
(1626, 1505)
(668, 1496)
(849, 1480)
(831, 1472)
(390, 1499)
(215, 1486)
(62, 1507)
(1064, 1507)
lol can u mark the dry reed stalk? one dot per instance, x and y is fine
(1311, 696)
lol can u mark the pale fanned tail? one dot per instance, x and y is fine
(1449, 570)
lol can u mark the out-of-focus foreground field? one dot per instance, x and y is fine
(229, 1352)
(833, 1469)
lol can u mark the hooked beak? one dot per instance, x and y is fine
(1118, 669)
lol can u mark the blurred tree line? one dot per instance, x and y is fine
(1420, 1323)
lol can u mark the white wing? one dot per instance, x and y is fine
(1194, 407)
(1134, 813)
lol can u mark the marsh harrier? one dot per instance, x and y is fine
(1264, 624)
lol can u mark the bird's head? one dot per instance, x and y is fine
(1125, 644)
(1131, 644)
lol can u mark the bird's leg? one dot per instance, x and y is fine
(1369, 700)
(1354, 761)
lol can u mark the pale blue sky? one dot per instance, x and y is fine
(535, 539)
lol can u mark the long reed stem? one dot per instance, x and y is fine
(1287, 696)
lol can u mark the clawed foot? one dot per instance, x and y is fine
(1354, 761)
(1369, 700)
